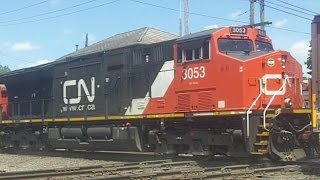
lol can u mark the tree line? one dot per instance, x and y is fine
(4, 69)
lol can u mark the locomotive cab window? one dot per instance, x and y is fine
(194, 50)
(235, 45)
(263, 46)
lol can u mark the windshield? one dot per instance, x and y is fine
(235, 45)
(263, 46)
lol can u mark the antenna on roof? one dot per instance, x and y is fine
(87, 41)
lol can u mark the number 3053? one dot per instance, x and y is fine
(194, 73)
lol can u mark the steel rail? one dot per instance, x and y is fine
(79, 170)
(160, 169)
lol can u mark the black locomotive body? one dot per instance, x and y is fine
(100, 80)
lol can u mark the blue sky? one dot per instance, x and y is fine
(24, 43)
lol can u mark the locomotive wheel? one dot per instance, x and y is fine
(281, 146)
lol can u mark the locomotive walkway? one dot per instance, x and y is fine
(167, 169)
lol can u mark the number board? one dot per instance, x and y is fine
(194, 73)
(238, 30)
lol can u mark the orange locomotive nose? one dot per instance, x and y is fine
(285, 79)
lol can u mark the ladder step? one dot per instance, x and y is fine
(263, 151)
(269, 116)
(263, 134)
(268, 125)
(257, 153)
(262, 143)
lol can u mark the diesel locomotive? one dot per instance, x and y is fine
(219, 91)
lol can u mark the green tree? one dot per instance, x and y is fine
(4, 69)
(309, 59)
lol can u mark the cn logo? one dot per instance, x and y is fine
(81, 85)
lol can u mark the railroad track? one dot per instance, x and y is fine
(160, 169)
(97, 155)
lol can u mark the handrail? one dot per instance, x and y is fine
(271, 100)
(252, 105)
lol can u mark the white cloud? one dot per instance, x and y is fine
(24, 46)
(281, 23)
(235, 14)
(36, 63)
(67, 31)
(299, 50)
(210, 26)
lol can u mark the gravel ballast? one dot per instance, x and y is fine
(14, 162)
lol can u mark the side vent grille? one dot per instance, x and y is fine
(205, 100)
(183, 102)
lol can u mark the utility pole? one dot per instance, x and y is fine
(180, 18)
(262, 14)
(186, 17)
(252, 12)
(315, 41)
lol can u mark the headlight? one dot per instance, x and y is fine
(288, 103)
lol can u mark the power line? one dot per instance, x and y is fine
(298, 7)
(62, 15)
(245, 12)
(290, 8)
(288, 12)
(149, 4)
(290, 30)
(207, 16)
(25, 7)
(47, 13)
(193, 13)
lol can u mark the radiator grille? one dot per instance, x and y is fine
(183, 102)
(204, 100)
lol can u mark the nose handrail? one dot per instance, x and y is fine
(252, 105)
(271, 100)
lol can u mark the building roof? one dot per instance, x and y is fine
(146, 35)
(201, 34)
